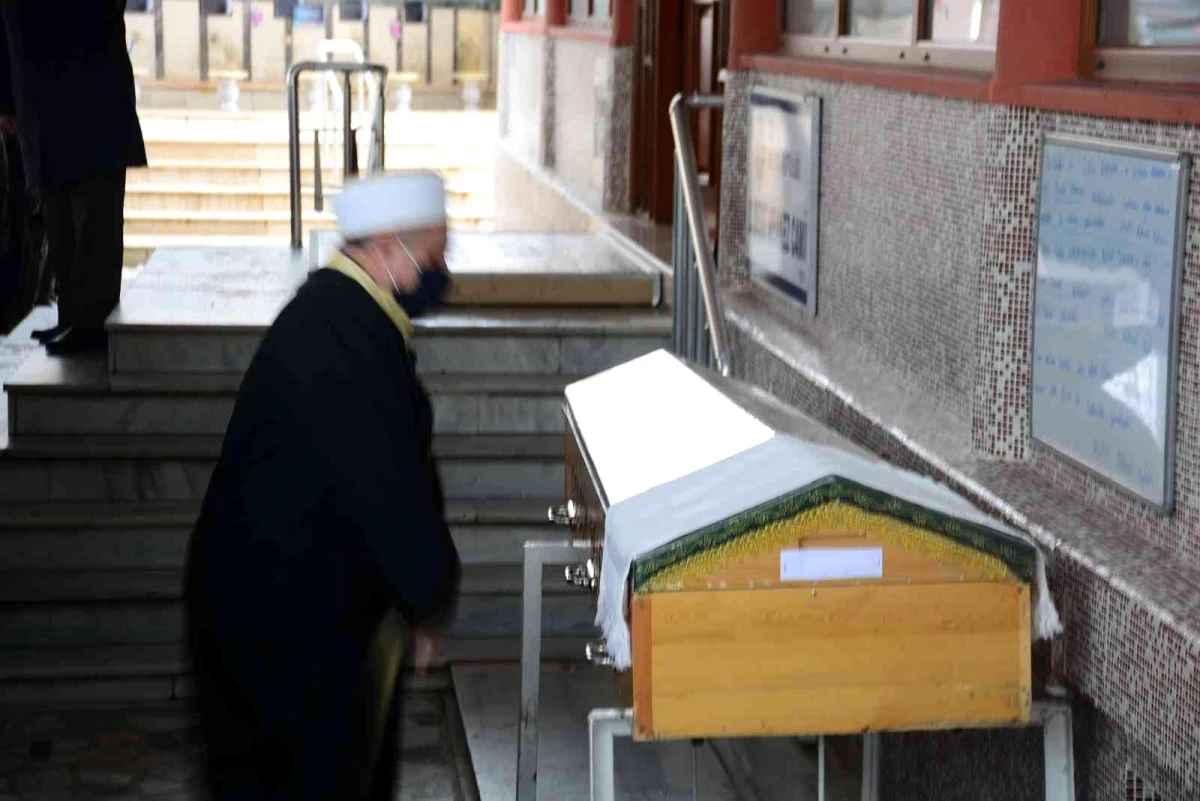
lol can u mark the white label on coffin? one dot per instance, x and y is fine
(830, 564)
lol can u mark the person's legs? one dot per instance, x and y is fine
(383, 787)
(58, 221)
(94, 275)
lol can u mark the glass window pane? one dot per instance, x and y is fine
(964, 22)
(811, 17)
(882, 19)
(1150, 23)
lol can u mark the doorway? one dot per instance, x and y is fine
(679, 45)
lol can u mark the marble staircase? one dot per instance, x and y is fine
(217, 176)
(105, 462)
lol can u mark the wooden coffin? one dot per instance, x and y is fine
(863, 598)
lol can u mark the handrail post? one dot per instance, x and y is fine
(293, 101)
(685, 159)
(349, 165)
(294, 191)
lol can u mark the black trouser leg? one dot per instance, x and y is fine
(383, 788)
(58, 220)
(98, 212)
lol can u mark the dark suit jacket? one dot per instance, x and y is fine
(65, 71)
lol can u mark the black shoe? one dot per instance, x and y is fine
(78, 340)
(44, 335)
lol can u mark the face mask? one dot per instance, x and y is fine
(430, 291)
(428, 296)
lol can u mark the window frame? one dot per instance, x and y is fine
(591, 18)
(1164, 65)
(919, 51)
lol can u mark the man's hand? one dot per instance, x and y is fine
(427, 647)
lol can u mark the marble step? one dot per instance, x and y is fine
(470, 215)
(134, 661)
(122, 674)
(78, 518)
(161, 622)
(149, 548)
(49, 396)
(482, 342)
(177, 196)
(175, 468)
(100, 583)
(258, 172)
(475, 128)
(430, 156)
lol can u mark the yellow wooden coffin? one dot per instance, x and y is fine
(776, 580)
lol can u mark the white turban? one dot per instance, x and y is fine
(391, 202)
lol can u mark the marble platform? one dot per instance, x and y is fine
(244, 287)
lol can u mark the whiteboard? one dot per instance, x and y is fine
(1111, 229)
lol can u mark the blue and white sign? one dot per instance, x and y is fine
(1111, 231)
(783, 182)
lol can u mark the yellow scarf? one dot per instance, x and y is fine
(347, 267)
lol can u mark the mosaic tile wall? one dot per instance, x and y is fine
(1125, 577)
(577, 128)
(618, 160)
(867, 288)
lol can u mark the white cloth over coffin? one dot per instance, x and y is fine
(712, 461)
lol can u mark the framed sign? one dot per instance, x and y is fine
(783, 187)
(1112, 222)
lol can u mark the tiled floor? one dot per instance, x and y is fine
(151, 753)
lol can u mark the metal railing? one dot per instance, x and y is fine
(694, 248)
(349, 151)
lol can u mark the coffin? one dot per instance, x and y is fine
(761, 576)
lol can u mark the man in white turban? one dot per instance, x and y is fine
(322, 537)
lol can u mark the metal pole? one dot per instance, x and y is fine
(429, 48)
(685, 156)
(604, 725)
(160, 59)
(293, 101)
(329, 19)
(821, 768)
(289, 45)
(680, 263)
(247, 29)
(203, 42)
(454, 46)
(349, 165)
(870, 767)
(537, 556)
(366, 32)
(1058, 746)
(380, 117)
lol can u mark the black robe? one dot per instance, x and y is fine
(324, 513)
(65, 72)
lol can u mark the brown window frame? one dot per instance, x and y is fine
(919, 51)
(1148, 64)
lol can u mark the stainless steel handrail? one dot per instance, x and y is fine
(293, 98)
(685, 160)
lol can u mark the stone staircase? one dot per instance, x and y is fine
(221, 178)
(106, 462)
